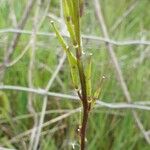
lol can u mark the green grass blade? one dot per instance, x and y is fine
(4, 102)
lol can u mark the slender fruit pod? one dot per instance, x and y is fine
(71, 58)
(98, 90)
(60, 38)
(74, 69)
(76, 21)
(68, 16)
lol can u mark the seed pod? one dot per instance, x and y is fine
(71, 58)
(76, 21)
(99, 88)
(74, 69)
(68, 16)
(60, 38)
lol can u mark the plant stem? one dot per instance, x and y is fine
(84, 102)
(83, 128)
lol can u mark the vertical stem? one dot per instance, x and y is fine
(77, 42)
(84, 103)
(83, 128)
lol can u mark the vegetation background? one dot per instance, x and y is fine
(37, 61)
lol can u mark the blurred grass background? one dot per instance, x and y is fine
(107, 129)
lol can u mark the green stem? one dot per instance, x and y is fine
(84, 99)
